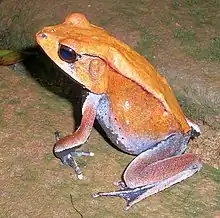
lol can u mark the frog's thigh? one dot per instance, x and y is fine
(173, 145)
(158, 176)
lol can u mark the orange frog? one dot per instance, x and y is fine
(132, 102)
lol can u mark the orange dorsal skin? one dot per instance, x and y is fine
(137, 111)
(86, 38)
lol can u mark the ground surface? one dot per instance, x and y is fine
(181, 38)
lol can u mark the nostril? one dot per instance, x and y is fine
(43, 35)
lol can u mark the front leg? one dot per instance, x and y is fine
(65, 148)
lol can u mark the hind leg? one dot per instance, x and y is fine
(155, 170)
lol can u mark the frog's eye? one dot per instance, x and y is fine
(67, 54)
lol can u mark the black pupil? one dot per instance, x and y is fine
(67, 54)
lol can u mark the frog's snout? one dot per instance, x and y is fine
(40, 36)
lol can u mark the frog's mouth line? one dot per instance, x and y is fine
(94, 56)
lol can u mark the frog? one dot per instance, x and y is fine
(133, 103)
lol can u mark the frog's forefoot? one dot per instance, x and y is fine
(68, 157)
(70, 161)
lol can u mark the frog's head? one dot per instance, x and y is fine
(66, 45)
